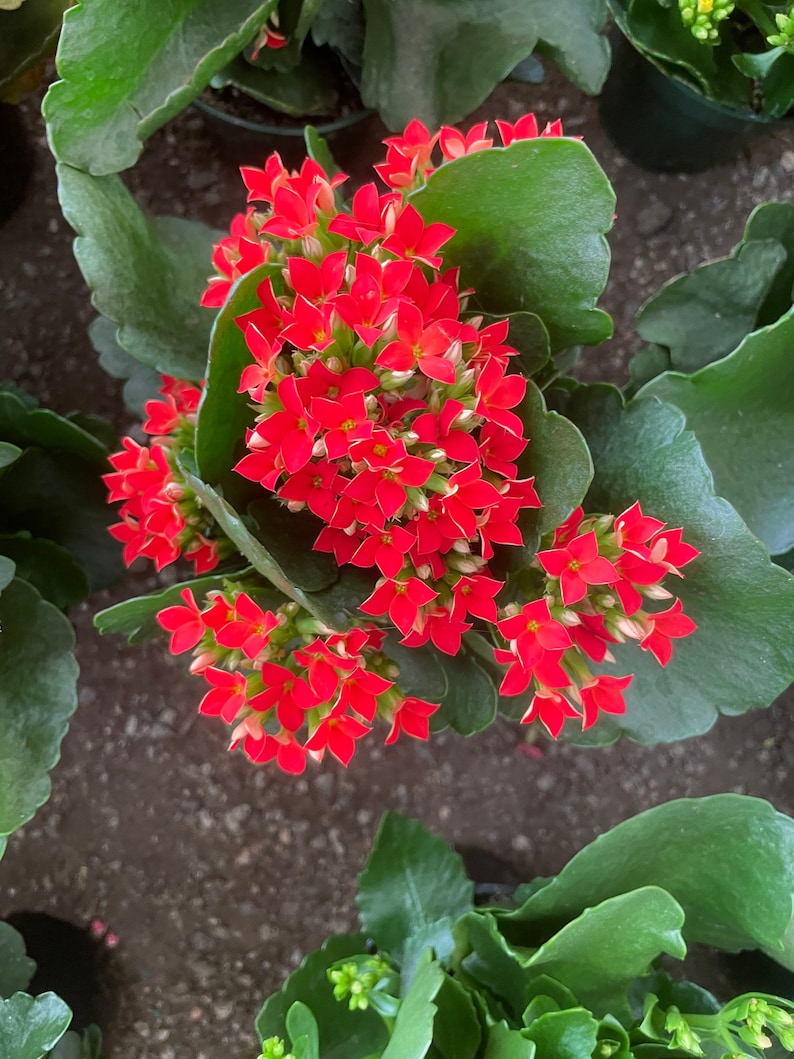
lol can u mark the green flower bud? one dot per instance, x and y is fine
(703, 17)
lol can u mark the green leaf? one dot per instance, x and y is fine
(16, 969)
(224, 413)
(295, 18)
(340, 24)
(344, 1034)
(310, 88)
(31, 1026)
(469, 704)
(145, 275)
(411, 881)
(774, 72)
(317, 147)
(127, 70)
(742, 654)
(437, 60)
(27, 36)
(728, 860)
(22, 425)
(456, 1030)
(599, 953)
(303, 1032)
(50, 568)
(703, 315)
(529, 336)
(507, 249)
(742, 412)
(7, 570)
(775, 220)
(504, 1043)
(38, 695)
(60, 497)
(559, 460)
(492, 962)
(564, 1034)
(141, 383)
(136, 618)
(421, 669)
(289, 536)
(8, 453)
(413, 1027)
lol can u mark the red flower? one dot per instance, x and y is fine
(578, 566)
(441, 432)
(338, 733)
(445, 630)
(389, 472)
(418, 347)
(250, 629)
(314, 485)
(292, 431)
(467, 491)
(535, 633)
(345, 419)
(370, 215)
(526, 128)
(603, 694)
(475, 595)
(385, 549)
(551, 709)
(454, 144)
(228, 694)
(290, 694)
(414, 240)
(360, 690)
(412, 717)
(402, 600)
(496, 393)
(670, 624)
(184, 623)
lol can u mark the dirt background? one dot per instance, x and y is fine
(217, 876)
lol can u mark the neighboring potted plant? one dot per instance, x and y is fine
(698, 78)
(399, 549)
(122, 78)
(571, 967)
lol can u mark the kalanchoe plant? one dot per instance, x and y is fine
(739, 53)
(571, 966)
(384, 519)
(54, 549)
(124, 77)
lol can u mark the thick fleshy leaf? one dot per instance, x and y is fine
(340, 24)
(303, 1031)
(27, 36)
(51, 569)
(456, 1030)
(8, 454)
(469, 704)
(7, 570)
(413, 1027)
(344, 1034)
(127, 69)
(31, 1026)
(24, 425)
(224, 413)
(145, 275)
(742, 412)
(136, 618)
(742, 653)
(600, 953)
(60, 497)
(728, 860)
(141, 383)
(507, 249)
(559, 460)
(437, 60)
(411, 881)
(504, 1043)
(38, 695)
(16, 969)
(703, 315)
(310, 88)
(485, 956)
(564, 1034)
(289, 537)
(775, 220)
(421, 670)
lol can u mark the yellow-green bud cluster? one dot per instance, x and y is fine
(785, 38)
(356, 981)
(275, 1048)
(684, 1037)
(762, 1016)
(704, 16)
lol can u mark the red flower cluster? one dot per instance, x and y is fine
(161, 518)
(331, 686)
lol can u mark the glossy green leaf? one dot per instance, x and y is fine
(742, 654)
(506, 248)
(344, 1034)
(127, 69)
(456, 1029)
(141, 383)
(469, 704)
(728, 860)
(224, 413)
(505, 1043)
(599, 953)
(340, 24)
(7, 570)
(568, 1034)
(60, 497)
(295, 19)
(303, 1031)
(289, 537)
(50, 568)
(38, 695)
(145, 275)
(421, 669)
(704, 314)
(413, 1027)
(135, 618)
(31, 1026)
(27, 36)
(742, 412)
(412, 880)
(8, 454)
(24, 425)
(559, 460)
(317, 147)
(306, 90)
(774, 72)
(16, 969)
(775, 220)
(492, 962)
(437, 60)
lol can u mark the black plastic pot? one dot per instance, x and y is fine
(248, 142)
(662, 124)
(16, 166)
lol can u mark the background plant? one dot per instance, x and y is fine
(571, 967)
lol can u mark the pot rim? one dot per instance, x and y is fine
(288, 131)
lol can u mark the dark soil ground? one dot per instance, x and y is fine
(217, 876)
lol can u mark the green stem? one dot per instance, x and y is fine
(755, 10)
